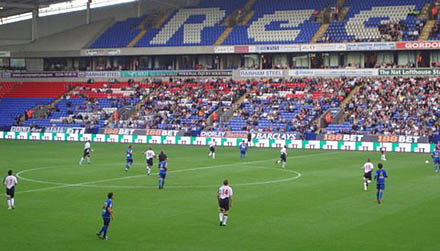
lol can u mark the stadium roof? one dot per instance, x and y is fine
(18, 10)
(15, 7)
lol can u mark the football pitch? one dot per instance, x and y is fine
(316, 203)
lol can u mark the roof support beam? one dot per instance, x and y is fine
(18, 5)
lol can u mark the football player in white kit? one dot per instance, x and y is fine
(87, 150)
(382, 153)
(368, 170)
(283, 157)
(150, 155)
(212, 149)
(224, 198)
(10, 182)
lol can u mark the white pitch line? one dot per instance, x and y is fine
(91, 183)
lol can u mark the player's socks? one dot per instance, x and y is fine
(284, 165)
(101, 231)
(9, 204)
(105, 232)
(81, 161)
(213, 155)
(365, 186)
(13, 203)
(225, 220)
(220, 215)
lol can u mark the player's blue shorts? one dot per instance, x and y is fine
(129, 161)
(380, 186)
(243, 152)
(162, 174)
(436, 161)
(106, 220)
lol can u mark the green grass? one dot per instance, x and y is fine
(324, 209)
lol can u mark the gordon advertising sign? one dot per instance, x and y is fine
(425, 45)
(372, 138)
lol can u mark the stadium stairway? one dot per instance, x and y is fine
(321, 31)
(426, 30)
(142, 31)
(228, 115)
(137, 106)
(424, 12)
(243, 21)
(143, 28)
(350, 96)
(223, 36)
(341, 106)
(343, 13)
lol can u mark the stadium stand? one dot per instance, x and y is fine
(200, 25)
(398, 106)
(89, 105)
(183, 105)
(288, 106)
(281, 22)
(369, 21)
(274, 22)
(119, 34)
(19, 98)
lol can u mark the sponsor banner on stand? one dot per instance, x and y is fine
(410, 72)
(276, 136)
(187, 73)
(5, 54)
(261, 73)
(139, 132)
(101, 52)
(241, 49)
(67, 74)
(223, 134)
(371, 46)
(275, 48)
(100, 74)
(423, 45)
(255, 135)
(146, 74)
(5, 74)
(334, 73)
(323, 47)
(209, 73)
(25, 129)
(372, 138)
(223, 49)
(69, 130)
